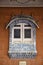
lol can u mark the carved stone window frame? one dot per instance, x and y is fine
(30, 51)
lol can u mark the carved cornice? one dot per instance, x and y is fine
(21, 3)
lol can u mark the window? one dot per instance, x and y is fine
(22, 41)
(27, 33)
(22, 32)
(16, 33)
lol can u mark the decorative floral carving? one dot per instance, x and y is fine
(22, 1)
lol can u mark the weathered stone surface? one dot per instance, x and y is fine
(21, 3)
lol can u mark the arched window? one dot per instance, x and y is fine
(22, 40)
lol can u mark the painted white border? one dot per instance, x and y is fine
(17, 40)
(22, 39)
(26, 40)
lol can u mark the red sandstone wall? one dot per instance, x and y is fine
(5, 14)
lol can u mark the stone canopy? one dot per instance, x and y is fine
(22, 17)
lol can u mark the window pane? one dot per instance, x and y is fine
(16, 33)
(16, 25)
(27, 25)
(27, 33)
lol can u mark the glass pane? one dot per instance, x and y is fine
(27, 33)
(16, 33)
(27, 25)
(16, 25)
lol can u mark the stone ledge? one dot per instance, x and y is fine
(23, 55)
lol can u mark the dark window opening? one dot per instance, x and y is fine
(27, 25)
(16, 25)
(16, 33)
(27, 33)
